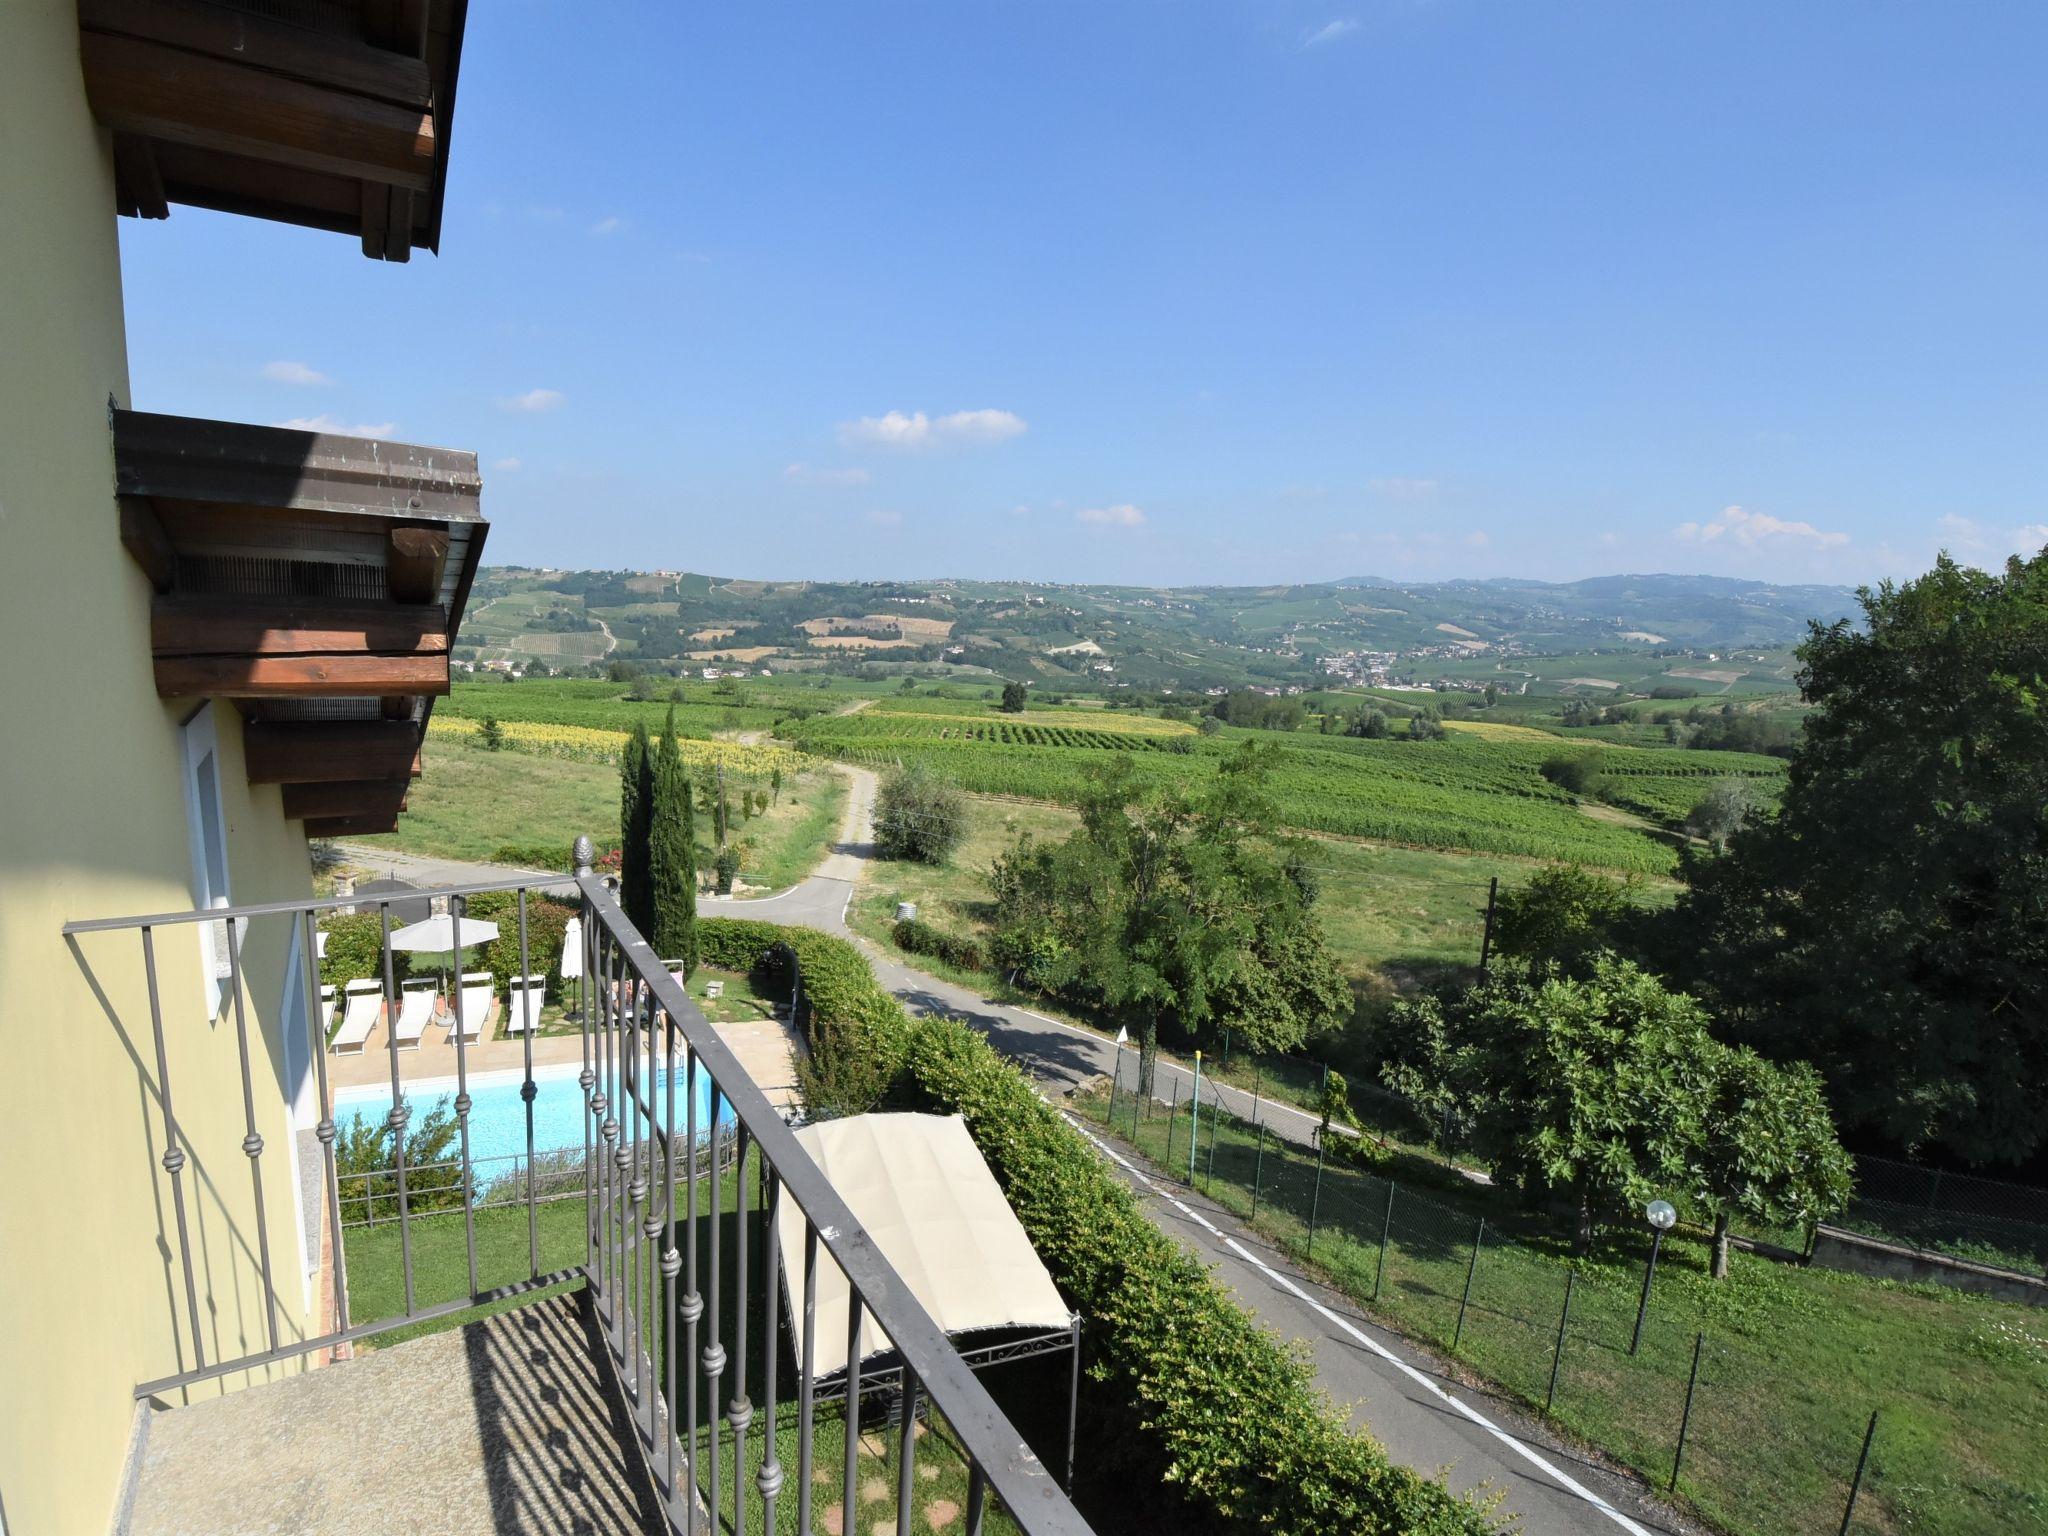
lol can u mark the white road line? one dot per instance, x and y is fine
(1562, 1479)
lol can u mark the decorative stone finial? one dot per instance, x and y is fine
(584, 854)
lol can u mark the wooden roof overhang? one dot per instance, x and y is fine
(316, 580)
(328, 113)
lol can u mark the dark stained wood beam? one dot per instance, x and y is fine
(330, 751)
(138, 183)
(413, 565)
(140, 86)
(300, 677)
(348, 797)
(352, 826)
(235, 626)
(253, 41)
(143, 536)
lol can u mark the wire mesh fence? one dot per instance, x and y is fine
(1698, 1402)
(1984, 1221)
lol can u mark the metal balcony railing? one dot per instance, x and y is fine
(660, 1185)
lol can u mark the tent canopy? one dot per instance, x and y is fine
(918, 1184)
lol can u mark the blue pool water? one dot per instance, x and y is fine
(497, 1115)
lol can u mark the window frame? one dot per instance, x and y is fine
(206, 841)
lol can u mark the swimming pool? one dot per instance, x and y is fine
(497, 1115)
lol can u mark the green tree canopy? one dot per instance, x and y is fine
(1589, 1088)
(672, 856)
(1889, 924)
(636, 793)
(1013, 698)
(919, 814)
(1563, 917)
(1767, 1147)
(1176, 910)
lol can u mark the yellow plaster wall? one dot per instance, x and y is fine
(92, 824)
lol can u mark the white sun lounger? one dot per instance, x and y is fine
(326, 1008)
(415, 1011)
(365, 1002)
(476, 1005)
(526, 997)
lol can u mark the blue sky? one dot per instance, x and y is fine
(1201, 292)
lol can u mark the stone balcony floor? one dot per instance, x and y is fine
(504, 1425)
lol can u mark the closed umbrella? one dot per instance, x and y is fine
(572, 949)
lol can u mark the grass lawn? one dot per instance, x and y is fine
(1793, 1362)
(471, 802)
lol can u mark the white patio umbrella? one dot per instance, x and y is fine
(440, 937)
(572, 949)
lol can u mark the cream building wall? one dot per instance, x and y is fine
(93, 824)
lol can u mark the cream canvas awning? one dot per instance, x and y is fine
(918, 1184)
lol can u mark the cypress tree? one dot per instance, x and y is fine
(636, 773)
(672, 856)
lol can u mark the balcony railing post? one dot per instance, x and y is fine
(400, 1110)
(527, 1091)
(633, 1170)
(714, 1350)
(769, 1479)
(807, 1367)
(323, 1129)
(906, 1455)
(740, 1411)
(849, 1494)
(174, 1154)
(458, 908)
(691, 1309)
(252, 1142)
(671, 1263)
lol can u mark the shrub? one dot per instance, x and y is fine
(490, 736)
(1576, 773)
(355, 951)
(921, 938)
(918, 815)
(546, 921)
(856, 1030)
(1200, 1397)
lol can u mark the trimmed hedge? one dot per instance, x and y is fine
(547, 920)
(856, 1030)
(1233, 1415)
(355, 951)
(915, 936)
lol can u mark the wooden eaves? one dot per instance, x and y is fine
(315, 580)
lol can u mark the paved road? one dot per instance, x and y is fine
(1425, 1418)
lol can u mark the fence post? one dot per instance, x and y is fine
(1856, 1485)
(1315, 1200)
(1209, 1169)
(1486, 937)
(1685, 1418)
(1478, 1240)
(1258, 1170)
(1386, 1226)
(1258, 1089)
(1564, 1319)
(1172, 1122)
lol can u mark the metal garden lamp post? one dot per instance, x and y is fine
(1662, 1215)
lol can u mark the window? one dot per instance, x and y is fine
(206, 828)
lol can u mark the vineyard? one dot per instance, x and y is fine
(604, 706)
(579, 743)
(1477, 790)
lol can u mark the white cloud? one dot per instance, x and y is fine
(1330, 31)
(1967, 538)
(608, 226)
(1123, 515)
(917, 430)
(1756, 530)
(510, 466)
(806, 474)
(326, 423)
(294, 373)
(534, 400)
(886, 519)
(1403, 488)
